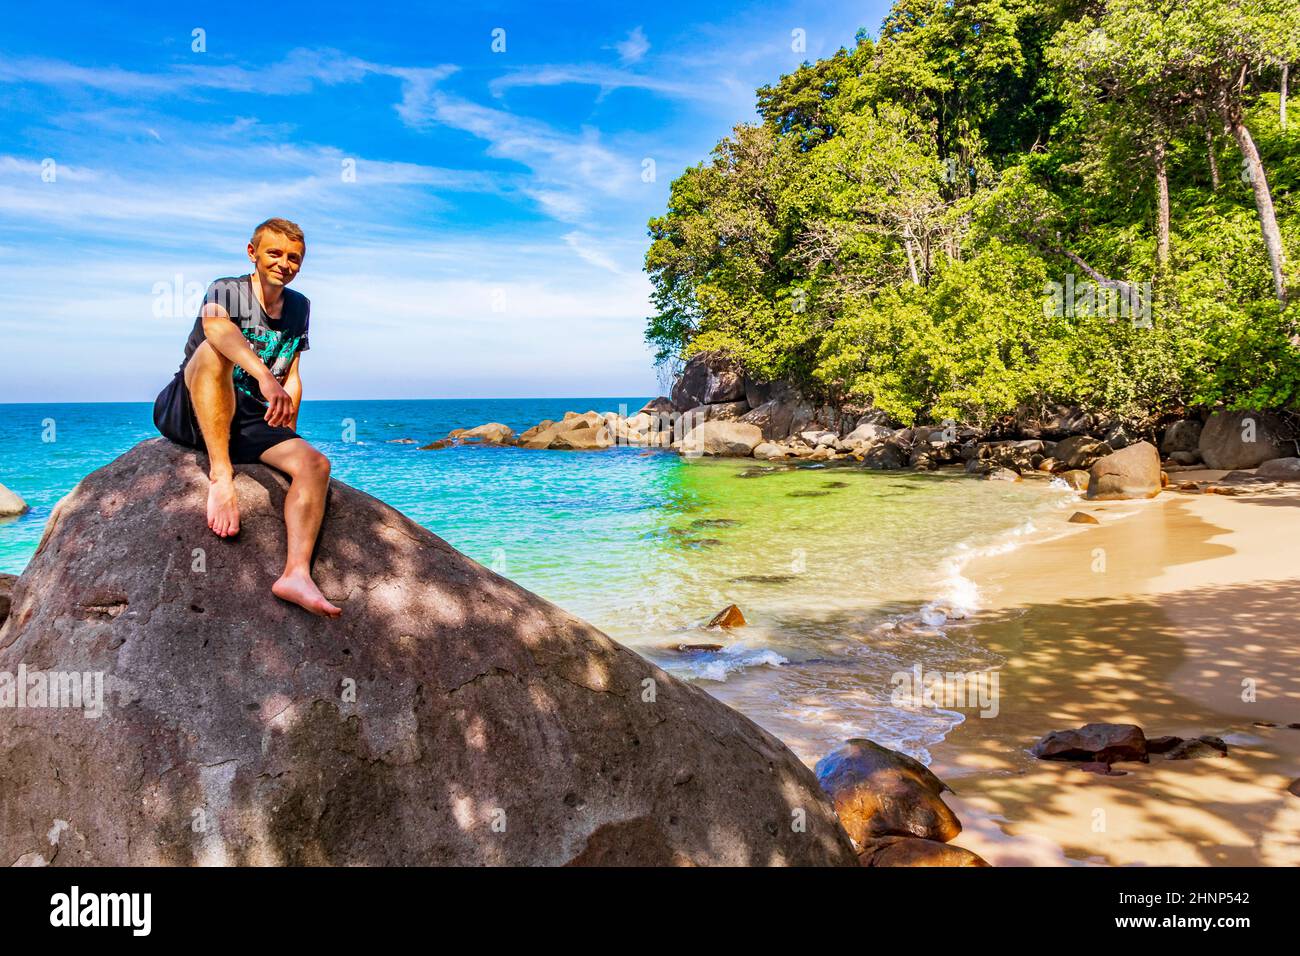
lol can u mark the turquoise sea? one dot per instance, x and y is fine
(831, 566)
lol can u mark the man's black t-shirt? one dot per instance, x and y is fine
(276, 341)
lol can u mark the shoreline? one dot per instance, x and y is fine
(1195, 598)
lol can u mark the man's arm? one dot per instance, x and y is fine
(293, 385)
(225, 337)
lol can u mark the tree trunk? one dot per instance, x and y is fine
(1264, 205)
(1286, 70)
(1214, 160)
(1162, 208)
(911, 259)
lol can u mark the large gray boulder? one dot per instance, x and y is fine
(1246, 439)
(734, 439)
(448, 717)
(11, 504)
(706, 379)
(780, 417)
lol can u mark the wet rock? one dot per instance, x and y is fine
(1002, 474)
(437, 445)
(1162, 745)
(477, 702)
(400, 441)
(1132, 472)
(1076, 479)
(729, 616)
(913, 851)
(1198, 748)
(880, 792)
(1080, 517)
(1105, 743)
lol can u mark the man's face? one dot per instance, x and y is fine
(277, 258)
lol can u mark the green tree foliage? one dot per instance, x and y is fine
(1000, 202)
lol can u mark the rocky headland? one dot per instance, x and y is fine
(715, 410)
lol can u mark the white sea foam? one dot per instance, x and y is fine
(720, 665)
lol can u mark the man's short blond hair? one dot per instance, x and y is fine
(290, 230)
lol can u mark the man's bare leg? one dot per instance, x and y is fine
(304, 509)
(209, 376)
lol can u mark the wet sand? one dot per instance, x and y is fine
(1166, 615)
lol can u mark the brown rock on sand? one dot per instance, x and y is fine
(487, 725)
(1132, 472)
(1080, 517)
(880, 792)
(1104, 743)
(912, 851)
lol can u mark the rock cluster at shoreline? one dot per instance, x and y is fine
(715, 410)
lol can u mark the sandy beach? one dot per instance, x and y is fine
(1165, 614)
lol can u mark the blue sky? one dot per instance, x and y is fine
(489, 244)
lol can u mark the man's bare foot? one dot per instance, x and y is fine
(301, 590)
(223, 507)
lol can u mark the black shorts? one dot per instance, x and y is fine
(250, 435)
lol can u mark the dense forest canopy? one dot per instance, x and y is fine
(1007, 202)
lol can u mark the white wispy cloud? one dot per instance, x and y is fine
(634, 48)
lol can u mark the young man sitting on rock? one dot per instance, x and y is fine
(237, 395)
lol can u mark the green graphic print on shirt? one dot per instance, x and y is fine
(276, 353)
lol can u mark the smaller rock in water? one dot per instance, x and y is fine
(436, 445)
(1075, 478)
(492, 433)
(1080, 517)
(913, 851)
(1294, 789)
(11, 504)
(729, 616)
(1198, 748)
(1002, 474)
(688, 648)
(400, 441)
